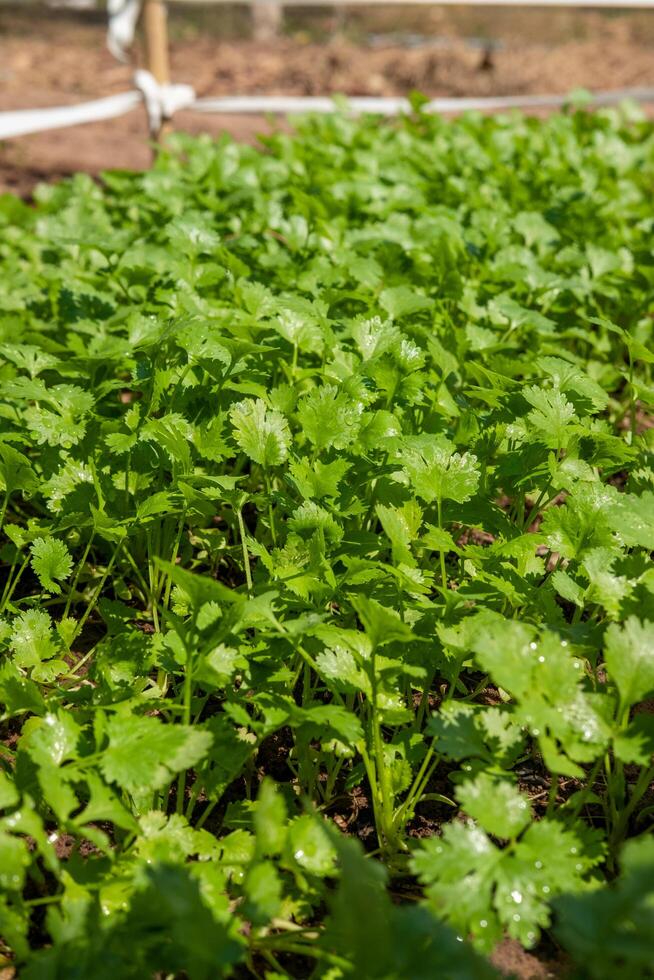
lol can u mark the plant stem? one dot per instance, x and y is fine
(271, 515)
(3, 510)
(642, 784)
(378, 756)
(441, 553)
(10, 587)
(78, 572)
(586, 791)
(98, 591)
(186, 717)
(246, 556)
(173, 559)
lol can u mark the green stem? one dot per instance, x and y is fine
(137, 571)
(378, 755)
(98, 591)
(417, 789)
(642, 785)
(535, 510)
(300, 949)
(152, 591)
(186, 717)
(246, 556)
(10, 587)
(173, 559)
(271, 515)
(78, 572)
(587, 790)
(80, 663)
(128, 462)
(632, 399)
(206, 814)
(552, 795)
(441, 553)
(3, 510)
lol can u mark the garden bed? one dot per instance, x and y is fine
(326, 596)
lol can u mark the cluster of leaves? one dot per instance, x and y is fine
(331, 463)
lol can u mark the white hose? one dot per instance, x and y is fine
(291, 105)
(122, 18)
(23, 121)
(162, 101)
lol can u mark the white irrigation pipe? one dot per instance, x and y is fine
(168, 99)
(20, 122)
(292, 105)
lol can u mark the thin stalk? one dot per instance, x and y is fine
(193, 798)
(300, 949)
(80, 663)
(137, 571)
(173, 559)
(586, 791)
(552, 795)
(10, 587)
(642, 785)
(632, 399)
(423, 776)
(378, 754)
(535, 510)
(98, 591)
(246, 556)
(78, 572)
(441, 553)
(152, 578)
(424, 704)
(331, 780)
(271, 515)
(205, 815)
(371, 773)
(128, 463)
(187, 703)
(3, 509)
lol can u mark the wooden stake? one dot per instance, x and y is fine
(267, 17)
(155, 27)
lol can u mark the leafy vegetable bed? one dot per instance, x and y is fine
(329, 503)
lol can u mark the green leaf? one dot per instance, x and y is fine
(14, 860)
(263, 890)
(328, 417)
(636, 743)
(629, 656)
(8, 792)
(551, 415)
(52, 562)
(16, 472)
(174, 435)
(144, 753)
(436, 472)
(270, 820)
(262, 434)
(33, 639)
(402, 525)
(609, 930)
(310, 846)
(498, 806)
(381, 625)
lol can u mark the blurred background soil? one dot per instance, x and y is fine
(58, 56)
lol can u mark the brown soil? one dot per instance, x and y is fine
(49, 58)
(511, 960)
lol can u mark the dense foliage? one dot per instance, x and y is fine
(328, 506)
